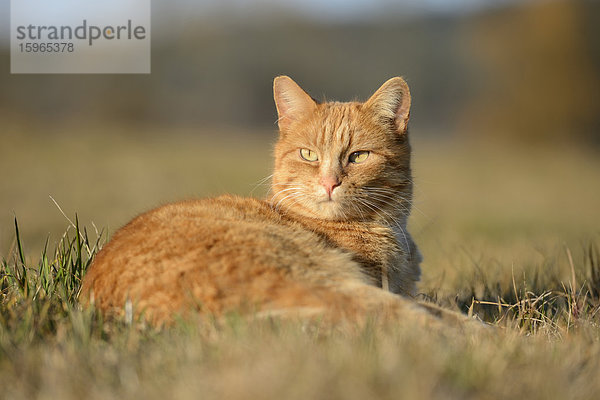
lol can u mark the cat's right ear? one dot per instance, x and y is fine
(292, 102)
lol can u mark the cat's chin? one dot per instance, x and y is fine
(330, 210)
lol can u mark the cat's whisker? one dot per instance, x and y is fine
(395, 194)
(371, 207)
(400, 197)
(266, 178)
(412, 205)
(396, 202)
(297, 198)
(344, 216)
(283, 190)
(358, 210)
(405, 239)
(288, 196)
(288, 189)
(273, 187)
(395, 205)
(390, 220)
(263, 181)
(396, 197)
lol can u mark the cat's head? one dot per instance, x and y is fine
(343, 161)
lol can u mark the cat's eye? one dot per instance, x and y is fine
(308, 155)
(358, 156)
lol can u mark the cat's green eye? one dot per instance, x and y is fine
(308, 155)
(358, 156)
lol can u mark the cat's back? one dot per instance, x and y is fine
(221, 253)
(185, 227)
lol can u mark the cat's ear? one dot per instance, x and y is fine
(391, 102)
(291, 101)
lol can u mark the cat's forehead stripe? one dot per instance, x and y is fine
(336, 124)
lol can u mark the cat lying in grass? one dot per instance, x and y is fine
(330, 241)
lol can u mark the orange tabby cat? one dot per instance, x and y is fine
(330, 237)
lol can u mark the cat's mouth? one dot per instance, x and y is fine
(327, 203)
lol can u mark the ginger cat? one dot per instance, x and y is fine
(330, 241)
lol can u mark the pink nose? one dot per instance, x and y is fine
(330, 183)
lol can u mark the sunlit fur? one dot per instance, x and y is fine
(330, 236)
(376, 191)
(379, 188)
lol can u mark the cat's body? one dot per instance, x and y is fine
(332, 234)
(235, 254)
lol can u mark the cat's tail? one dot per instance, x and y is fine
(358, 304)
(370, 302)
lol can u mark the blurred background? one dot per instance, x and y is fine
(505, 121)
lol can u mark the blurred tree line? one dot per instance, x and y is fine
(528, 71)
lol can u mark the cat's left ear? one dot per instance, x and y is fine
(391, 102)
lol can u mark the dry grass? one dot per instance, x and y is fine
(508, 233)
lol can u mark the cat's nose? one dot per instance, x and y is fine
(329, 183)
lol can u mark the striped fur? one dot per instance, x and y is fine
(302, 248)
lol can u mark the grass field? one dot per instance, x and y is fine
(510, 233)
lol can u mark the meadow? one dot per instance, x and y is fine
(510, 233)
